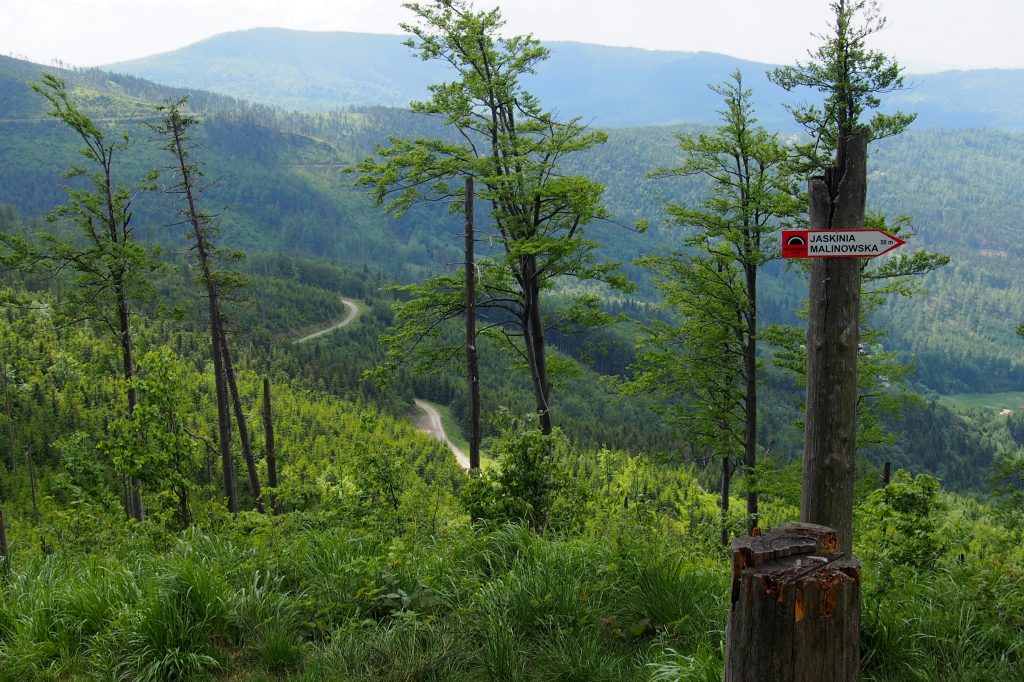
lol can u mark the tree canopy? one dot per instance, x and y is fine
(514, 149)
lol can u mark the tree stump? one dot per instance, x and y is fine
(795, 614)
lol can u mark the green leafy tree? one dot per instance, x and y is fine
(153, 444)
(514, 149)
(707, 362)
(852, 78)
(1007, 476)
(110, 267)
(529, 482)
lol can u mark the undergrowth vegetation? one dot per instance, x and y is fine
(625, 591)
(578, 564)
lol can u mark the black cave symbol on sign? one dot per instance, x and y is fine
(795, 240)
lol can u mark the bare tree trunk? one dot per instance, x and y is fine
(544, 403)
(268, 437)
(726, 476)
(533, 338)
(472, 357)
(750, 399)
(240, 420)
(224, 423)
(32, 483)
(10, 422)
(128, 368)
(830, 435)
(3, 536)
(183, 511)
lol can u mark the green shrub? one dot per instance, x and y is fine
(528, 482)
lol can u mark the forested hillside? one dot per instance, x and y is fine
(282, 187)
(220, 317)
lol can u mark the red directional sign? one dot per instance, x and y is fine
(837, 243)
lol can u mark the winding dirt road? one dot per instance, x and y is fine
(351, 315)
(431, 423)
(431, 419)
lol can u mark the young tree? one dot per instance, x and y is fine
(708, 361)
(110, 265)
(153, 443)
(174, 129)
(514, 149)
(851, 77)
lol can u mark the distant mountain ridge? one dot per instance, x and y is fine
(281, 189)
(607, 86)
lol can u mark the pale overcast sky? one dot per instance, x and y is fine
(922, 34)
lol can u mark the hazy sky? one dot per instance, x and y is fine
(922, 34)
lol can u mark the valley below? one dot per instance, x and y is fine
(238, 287)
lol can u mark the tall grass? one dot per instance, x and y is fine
(947, 626)
(501, 604)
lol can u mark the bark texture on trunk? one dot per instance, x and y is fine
(830, 432)
(240, 420)
(3, 536)
(268, 439)
(472, 357)
(795, 608)
(750, 397)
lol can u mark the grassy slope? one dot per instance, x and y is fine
(1007, 400)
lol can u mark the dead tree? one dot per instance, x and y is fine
(3, 536)
(174, 129)
(240, 420)
(795, 608)
(835, 201)
(472, 357)
(268, 439)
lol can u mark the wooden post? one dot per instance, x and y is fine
(795, 614)
(268, 437)
(472, 357)
(835, 201)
